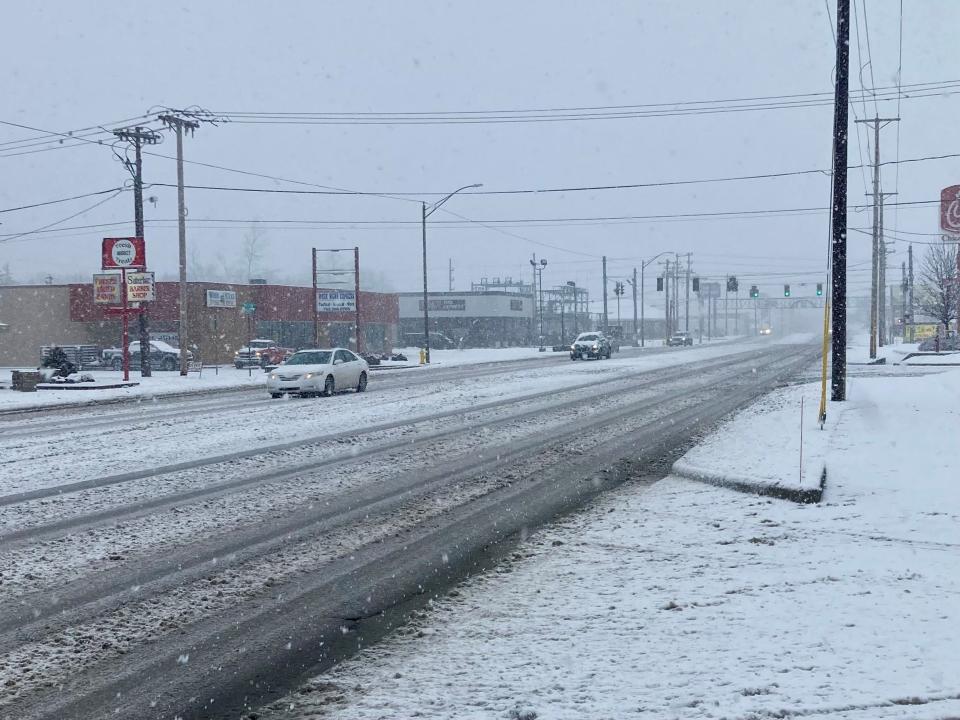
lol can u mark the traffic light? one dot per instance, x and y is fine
(754, 292)
(732, 284)
(786, 291)
(659, 284)
(696, 284)
(819, 289)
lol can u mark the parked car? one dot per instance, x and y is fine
(590, 345)
(162, 356)
(438, 341)
(766, 330)
(680, 339)
(318, 372)
(260, 353)
(947, 344)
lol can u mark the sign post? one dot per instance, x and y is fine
(248, 309)
(128, 253)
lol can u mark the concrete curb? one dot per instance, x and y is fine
(752, 486)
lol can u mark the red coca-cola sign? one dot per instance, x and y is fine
(128, 253)
(950, 210)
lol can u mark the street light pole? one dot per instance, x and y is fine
(643, 266)
(425, 213)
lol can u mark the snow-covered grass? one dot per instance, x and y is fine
(687, 600)
(160, 384)
(762, 444)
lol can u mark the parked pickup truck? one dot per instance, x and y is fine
(260, 353)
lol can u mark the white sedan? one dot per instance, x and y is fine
(319, 372)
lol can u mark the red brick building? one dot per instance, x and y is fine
(40, 315)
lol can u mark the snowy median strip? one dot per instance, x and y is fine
(775, 448)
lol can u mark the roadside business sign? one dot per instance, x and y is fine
(333, 301)
(950, 210)
(127, 253)
(248, 308)
(709, 290)
(107, 289)
(140, 287)
(221, 299)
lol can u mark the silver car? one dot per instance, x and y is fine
(309, 373)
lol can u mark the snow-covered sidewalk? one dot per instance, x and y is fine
(686, 600)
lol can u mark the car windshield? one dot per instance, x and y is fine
(310, 357)
(589, 337)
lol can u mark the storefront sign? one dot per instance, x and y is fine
(332, 301)
(106, 289)
(221, 299)
(140, 287)
(446, 305)
(129, 253)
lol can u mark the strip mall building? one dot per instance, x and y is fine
(38, 315)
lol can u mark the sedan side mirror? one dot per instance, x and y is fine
(337, 361)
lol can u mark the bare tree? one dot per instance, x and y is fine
(938, 283)
(254, 246)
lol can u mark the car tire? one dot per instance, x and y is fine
(362, 383)
(276, 396)
(328, 386)
(117, 364)
(573, 357)
(238, 366)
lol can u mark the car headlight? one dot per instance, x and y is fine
(573, 347)
(595, 347)
(273, 376)
(308, 376)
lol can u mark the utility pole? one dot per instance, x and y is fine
(876, 291)
(909, 330)
(882, 277)
(450, 274)
(606, 322)
(838, 241)
(676, 290)
(179, 124)
(686, 312)
(903, 299)
(138, 137)
(666, 299)
(634, 286)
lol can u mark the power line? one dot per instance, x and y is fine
(61, 200)
(603, 111)
(44, 228)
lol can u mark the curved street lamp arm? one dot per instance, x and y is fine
(436, 205)
(644, 263)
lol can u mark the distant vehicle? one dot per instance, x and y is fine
(260, 353)
(615, 335)
(309, 373)
(438, 341)
(766, 330)
(590, 345)
(947, 344)
(680, 339)
(162, 356)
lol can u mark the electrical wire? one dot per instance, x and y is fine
(61, 200)
(45, 228)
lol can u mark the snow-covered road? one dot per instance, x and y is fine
(161, 533)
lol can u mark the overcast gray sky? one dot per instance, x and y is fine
(71, 65)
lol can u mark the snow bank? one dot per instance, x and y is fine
(760, 450)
